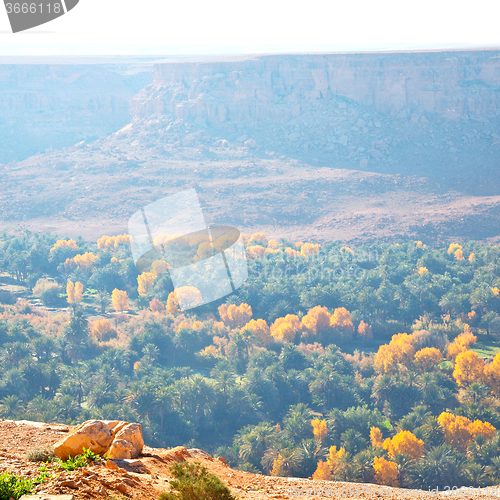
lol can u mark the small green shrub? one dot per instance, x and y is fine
(40, 455)
(12, 486)
(193, 482)
(79, 461)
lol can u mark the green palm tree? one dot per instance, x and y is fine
(439, 467)
(353, 441)
(476, 392)
(297, 422)
(494, 468)
(11, 407)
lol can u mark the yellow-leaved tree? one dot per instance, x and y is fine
(285, 329)
(64, 244)
(406, 443)
(341, 323)
(461, 344)
(74, 291)
(260, 331)
(146, 283)
(172, 303)
(235, 316)
(399, 351)
(492, 375)
(469, 368)
(119, 298)
(323, 472)
(317, 320)
(365, 330)
(78, 291)
(103, 330)
(320, 430)
(334, 459)
(259, 238)
(454, 247)
(459, 431)
(386, 472)
(427, 358)
(70, 291)
(188, 296)
(376, 437)
(309, 249)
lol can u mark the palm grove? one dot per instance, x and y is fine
(329, 362)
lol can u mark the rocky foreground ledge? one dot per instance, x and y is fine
(148, 475)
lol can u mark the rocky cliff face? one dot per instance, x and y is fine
(49, 106)
(453, 85)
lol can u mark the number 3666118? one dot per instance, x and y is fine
(33, 8)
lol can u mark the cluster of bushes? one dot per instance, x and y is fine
(290, 375)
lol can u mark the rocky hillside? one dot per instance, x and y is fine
(354, 147)
(49, 106)
(147, 476)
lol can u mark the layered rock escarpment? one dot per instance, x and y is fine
(50, 106)
(452, 85)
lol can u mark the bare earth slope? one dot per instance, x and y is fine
(147, 477)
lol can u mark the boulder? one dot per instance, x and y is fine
(121, 449)
(115, 425)
(132, 433)
(93, 434)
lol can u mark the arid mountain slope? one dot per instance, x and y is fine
(354, 147)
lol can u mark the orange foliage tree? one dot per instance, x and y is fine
(82, 261)
(459, 431)
(454, 247)
(461, 344)
(386, 472)
(406, 443)
(469, 368)
(74, 291)
(317, 320)
(341, 322)
(376, 437)
(260, 237)
(172, 303)
(427, 358)
(103, 330)
(285, 329)
(492, 375)
(188, 296)
(320, 430)
(119, 298)
(64, 244)
(399, 351)
(255, 251)
(365, 330)
(145, 283)
(156, 306)
(309, 249)
(322, 472)
(235, 316)
(70, 291)
(112, 241)
(260, 331)
(335, 457)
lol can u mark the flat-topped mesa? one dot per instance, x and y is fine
(445, 85)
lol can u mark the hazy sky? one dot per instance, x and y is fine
(232, 26)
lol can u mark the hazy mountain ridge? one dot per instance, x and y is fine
(342, 146)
